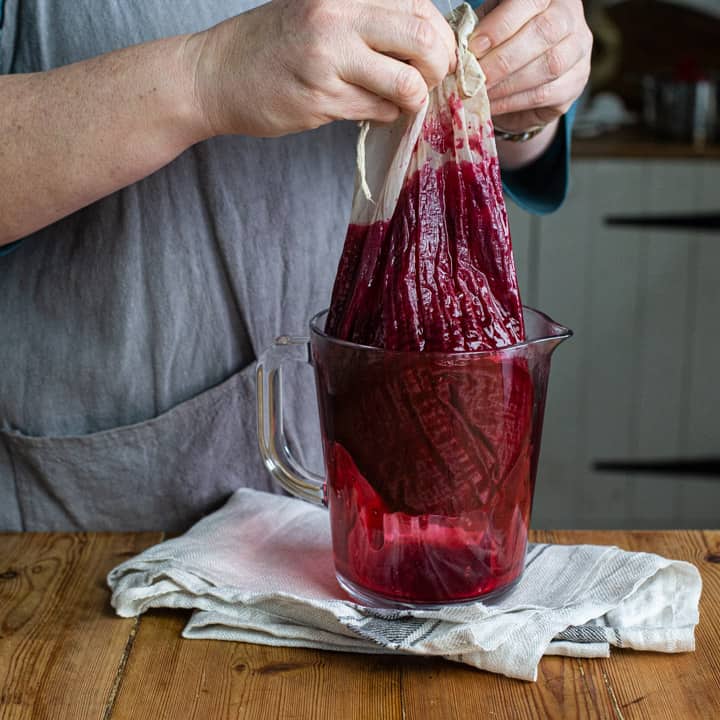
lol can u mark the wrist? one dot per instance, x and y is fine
(218, 91)
(515, 155)
(192, 107)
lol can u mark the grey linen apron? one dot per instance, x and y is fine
(129, 330)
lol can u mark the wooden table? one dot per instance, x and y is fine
(65, 656)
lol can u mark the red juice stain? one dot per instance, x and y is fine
(438, 134)
(475, 143)
(457, 110)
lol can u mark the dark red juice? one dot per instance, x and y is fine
(431, 558)
(430, 468)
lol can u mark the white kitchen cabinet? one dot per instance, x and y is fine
(522, 226)
(641, 377)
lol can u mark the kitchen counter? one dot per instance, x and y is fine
(65, 655)
(638, 143)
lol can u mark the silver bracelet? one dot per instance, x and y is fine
(521, 136)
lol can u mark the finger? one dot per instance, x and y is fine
(395, 81)
(407, 38)
(356, 103)
(486, 7)
(425, 10)
(556, 95)
(501, 23)
(534, 39)
(551, 65)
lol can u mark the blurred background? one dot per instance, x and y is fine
(632, 264)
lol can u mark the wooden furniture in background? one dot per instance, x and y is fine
(65, 656)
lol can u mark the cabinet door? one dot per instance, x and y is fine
(522, 227)
(700, 501)
(636, 381)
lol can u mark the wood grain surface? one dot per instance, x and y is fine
(61, 646)
(64, 655)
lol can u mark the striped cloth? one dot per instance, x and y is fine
(260, 570)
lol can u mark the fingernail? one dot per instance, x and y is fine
(480, 44)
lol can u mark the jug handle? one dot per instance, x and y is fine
(276, 454)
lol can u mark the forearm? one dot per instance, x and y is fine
(514, 155)
(75, 134)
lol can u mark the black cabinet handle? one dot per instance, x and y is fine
(708, 222)
(707, 468)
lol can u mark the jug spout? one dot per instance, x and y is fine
(543, 332)
(559, 335)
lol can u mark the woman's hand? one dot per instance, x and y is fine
(536, 56)
(292, 65)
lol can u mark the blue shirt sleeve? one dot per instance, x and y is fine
(541, 186)
(5, 249)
